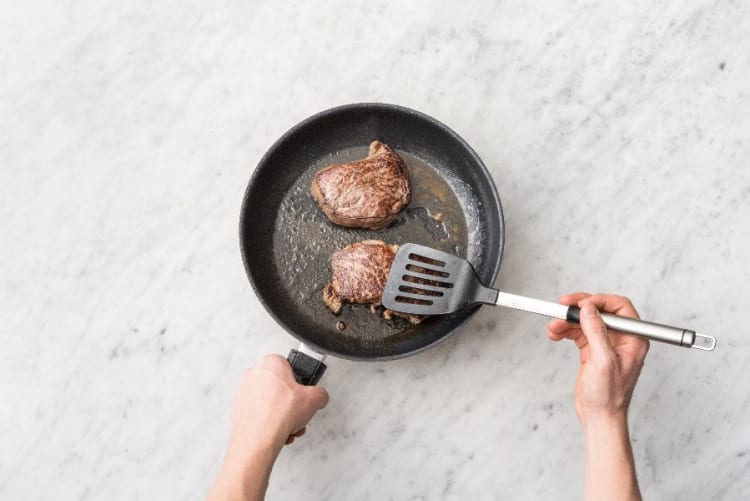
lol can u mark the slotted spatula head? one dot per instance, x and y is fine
(426, 281)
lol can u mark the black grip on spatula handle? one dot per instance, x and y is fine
(307, 370)
(574, 315)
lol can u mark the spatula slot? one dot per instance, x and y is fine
(425, 281)
(424, 292)
(427, 271)
(427, 260)
(409, 300)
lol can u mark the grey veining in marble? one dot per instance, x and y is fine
(617, 134)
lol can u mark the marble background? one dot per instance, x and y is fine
(617, 134)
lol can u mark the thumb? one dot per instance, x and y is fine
(318, 396)
(595, 331)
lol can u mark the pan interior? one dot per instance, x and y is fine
(287, 240)
(304, 239)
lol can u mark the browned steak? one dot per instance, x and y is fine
(367, 193)
(360, 271)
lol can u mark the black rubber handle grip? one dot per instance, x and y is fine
(574, 315)
(307, 370)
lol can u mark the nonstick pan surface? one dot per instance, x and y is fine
(287, 241)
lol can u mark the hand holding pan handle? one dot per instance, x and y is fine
(307, 365)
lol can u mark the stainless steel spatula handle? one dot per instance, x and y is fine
(426, 281)
(657, 332)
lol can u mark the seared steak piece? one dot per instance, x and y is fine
(367, 193)
(360, 271)
(359, 274)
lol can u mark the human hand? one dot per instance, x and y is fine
(270, 407)
(610, 361)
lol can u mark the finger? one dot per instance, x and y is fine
(576, 335)
(554, 337)
(569, 331)
(595, 331)
(279, 366)
(574, 298)
(318, 395)
(619, 305)
(645, 345)
(558, 326)
(271, 360)
(561, 328)
(578, 338)
(274, 362)
(289, 440)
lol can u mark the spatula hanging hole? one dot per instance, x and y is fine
(424, 281)
(409, 300)
(427, 260)
(427, 271)
(415, 290)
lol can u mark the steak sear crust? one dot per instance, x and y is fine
(360, 271)
(367, 193)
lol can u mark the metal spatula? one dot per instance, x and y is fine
(426, 281)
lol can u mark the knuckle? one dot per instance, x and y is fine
(627, 303)
(324, 397)
(624, 302)
(274, 362)
(317, 395)
(269, 359)
(596, 327)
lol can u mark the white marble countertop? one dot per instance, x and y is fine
(617, 134)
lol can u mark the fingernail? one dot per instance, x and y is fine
(588, 310)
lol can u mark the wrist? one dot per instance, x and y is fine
(245, 472)
(607, 420)
(244, 460)
(611, 429)
(259, 434)
(255, 444)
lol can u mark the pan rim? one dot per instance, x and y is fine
(364, 106)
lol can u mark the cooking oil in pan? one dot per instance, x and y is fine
(304, 240)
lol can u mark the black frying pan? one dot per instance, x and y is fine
(286, 240)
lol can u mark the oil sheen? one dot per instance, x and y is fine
(304, 240)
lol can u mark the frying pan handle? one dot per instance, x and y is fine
(307, 368)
